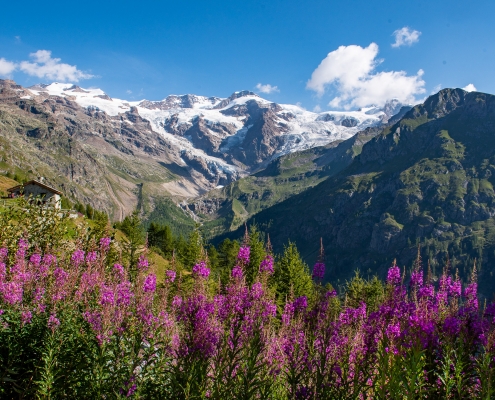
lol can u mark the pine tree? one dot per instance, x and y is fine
(256, 255)
(194, 249)
(292, 275)
(89, 211)
(131, 226)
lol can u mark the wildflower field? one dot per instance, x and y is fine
(78, 322)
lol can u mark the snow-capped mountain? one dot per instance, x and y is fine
(230, 136)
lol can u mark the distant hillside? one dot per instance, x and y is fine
(428, 180)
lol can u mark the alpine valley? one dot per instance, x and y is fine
(374, 184)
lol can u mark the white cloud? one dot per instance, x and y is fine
(436, 89)
(317, 108)
(405, 37)
(351, 69)
(470, 88)
(44, 66)
(128, 91)
(6, 67)
(267, 88)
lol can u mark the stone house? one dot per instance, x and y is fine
(37, 189)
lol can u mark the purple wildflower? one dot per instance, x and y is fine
(243, 255)
(417, 278)
(201, 270)
(171, 275)
(77, 258)
(3, 253)
(237, 272)
(142, 263)
(393, 276)
(107, 296)
(124, 293)
(35, 259)
(301, 303)
(319, 270)
(105, 243)
(150, 283)
(22, 247)
(26, 317)
(267, 264)
(13, 292)
(91, 257)
(53, 322)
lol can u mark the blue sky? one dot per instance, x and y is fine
(149, 49)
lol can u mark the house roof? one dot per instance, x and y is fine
(34, 182)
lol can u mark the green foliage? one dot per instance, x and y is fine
(44, 228)
(65, 203)
(359, 290)
(161, 237)
(292, 277)
(167, 213)
(257, 254)
(135, 239)
(89, 211)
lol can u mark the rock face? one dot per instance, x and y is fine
(92, 157)
(233, 136)
(102, 148)
(427, 179)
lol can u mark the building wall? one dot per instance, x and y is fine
(38, 191)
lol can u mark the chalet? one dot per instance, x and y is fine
(37, 189)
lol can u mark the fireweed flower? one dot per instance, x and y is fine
(124, 293)
(3, 253)
(393, 275)
(26, 317)
(243, 255)
(170, 275)
(267, 264)
(393, 331)
(176, 301)
(3, 273)
(319, 271)
(47, 261)
(77, 258)
(471, 295)
(22, 246)
(201, 270)
(417, 278)
(142, 263)
(53, 322)
(149, 283)
(301, 303)
(455, 288)
(91, 257)
(13, 292)
(237, 272)
(105, 243)
(35, 260)
(256, 291)
(107, 296)
(119, 270)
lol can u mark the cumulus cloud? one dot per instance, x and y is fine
(405, 37)
(317, 108)
(352, 71)
(7, 67)
(44, 66)
(267, 88)
(470, 88)
(436, 89)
